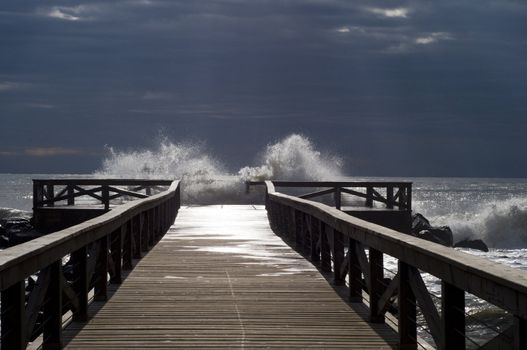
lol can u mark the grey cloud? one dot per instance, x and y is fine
(336, 69)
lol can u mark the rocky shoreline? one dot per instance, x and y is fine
(443, 235)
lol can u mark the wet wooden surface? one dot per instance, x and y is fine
(220, 278)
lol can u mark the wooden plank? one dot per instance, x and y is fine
(520, 333)
(116, 244)
(355, 273)
(34, 303)
(14, 317)
(406, 324)
(317, 193)
(81, 282)
(108, 182)
(385, 300)
(122, 192)
(376, 277)
(332, 183)
(52, 309)
(101, 271)
(221, 279)
(453, 317)
(339, 277)
(426, 304)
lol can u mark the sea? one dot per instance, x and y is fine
(491, 209)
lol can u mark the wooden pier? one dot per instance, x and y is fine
(293, 274)
(220, 278)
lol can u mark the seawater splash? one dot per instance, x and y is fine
(206, 180)
(500, 224)
(8, 213)
(295, 157)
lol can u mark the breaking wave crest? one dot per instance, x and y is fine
(205, 180)
(8, 213)
(501, 224)
(295, 157)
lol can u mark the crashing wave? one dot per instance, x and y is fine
(9, 213)
(501, 224)
(205, 180)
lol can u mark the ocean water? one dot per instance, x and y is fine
(494, 210)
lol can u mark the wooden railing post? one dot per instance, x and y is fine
(14, 317)
(71, 192)
(81, 283)
(157, 226)
(315, 238)
(52, 310)
(389, 197)
(38, 194)
(148, 229)
(291, 231)
(376, 275)
(409, 197)
(101, 271)
(298, 229)
(306, 237)
(143, 230)
(136, 236)
(519, 333)
(355, 273)
(116, 251)
(338, 197)
(407, 310)
(369, 197)
(127, 245)
(338, 258)
(106, 197)
(325, 249)
(453, 317)
(50, 194)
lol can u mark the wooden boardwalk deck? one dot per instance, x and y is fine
(220, 278)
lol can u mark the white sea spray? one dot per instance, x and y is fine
(206, 180)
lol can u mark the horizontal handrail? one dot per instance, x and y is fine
(398, 194)
(112, 182)
(498, 284)
(48, 192)
(280, 183)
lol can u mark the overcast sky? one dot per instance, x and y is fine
(402, 88)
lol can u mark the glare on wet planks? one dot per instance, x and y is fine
(220, 278)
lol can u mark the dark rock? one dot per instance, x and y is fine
(420, 223)
(14, 231)
(473, 244)
(15, 225)
(442, 235)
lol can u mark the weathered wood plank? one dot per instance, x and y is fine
(220, 278)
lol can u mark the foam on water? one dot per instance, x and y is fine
(206, 180)
(501, 224)
(492, 210)
(7, 213)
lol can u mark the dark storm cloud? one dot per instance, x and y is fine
(397, 87)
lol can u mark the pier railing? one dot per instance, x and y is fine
(50, 192)
(322, 233)
(393, 195)
(65, 267)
